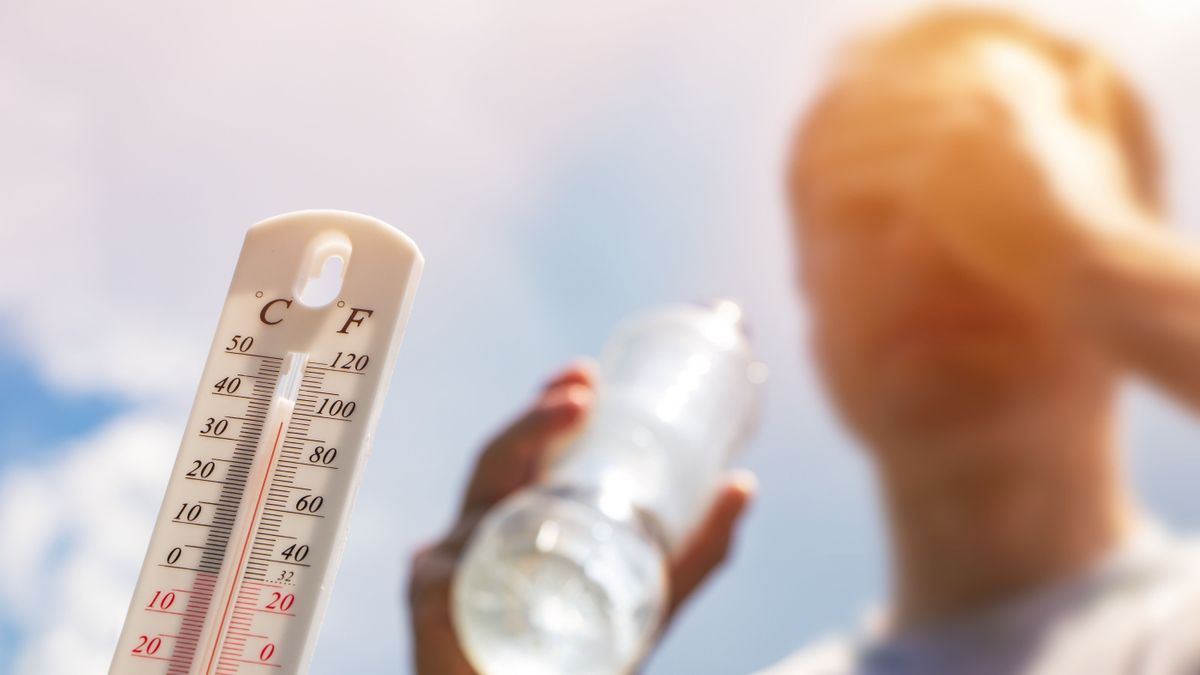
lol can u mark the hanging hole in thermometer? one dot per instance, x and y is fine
(326, 258)
(247, 542)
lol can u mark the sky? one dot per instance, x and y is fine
(561, 165)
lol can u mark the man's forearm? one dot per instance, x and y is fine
(1139, 292)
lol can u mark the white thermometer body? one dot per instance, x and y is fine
(252, 526)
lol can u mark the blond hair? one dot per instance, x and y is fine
(1099, 93)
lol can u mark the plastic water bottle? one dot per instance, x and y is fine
(569, 577)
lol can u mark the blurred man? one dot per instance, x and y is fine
(977, 218)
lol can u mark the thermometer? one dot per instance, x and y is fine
(253, 523)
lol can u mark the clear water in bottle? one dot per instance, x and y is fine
(569, 577)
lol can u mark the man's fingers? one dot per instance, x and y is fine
(582, 372)
(711, 544)
(513, 459)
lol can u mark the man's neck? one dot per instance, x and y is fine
(993, 518)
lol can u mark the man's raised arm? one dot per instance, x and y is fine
(1138, 291)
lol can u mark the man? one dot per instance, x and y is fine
(977, 220)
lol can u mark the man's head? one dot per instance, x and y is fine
(915, 345)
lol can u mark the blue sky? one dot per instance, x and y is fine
(560, 164)
(36, 415)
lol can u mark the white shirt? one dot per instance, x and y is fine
(1137, 613)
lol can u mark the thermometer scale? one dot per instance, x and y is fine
(252, 526)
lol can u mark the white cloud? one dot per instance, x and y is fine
(75, 531)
